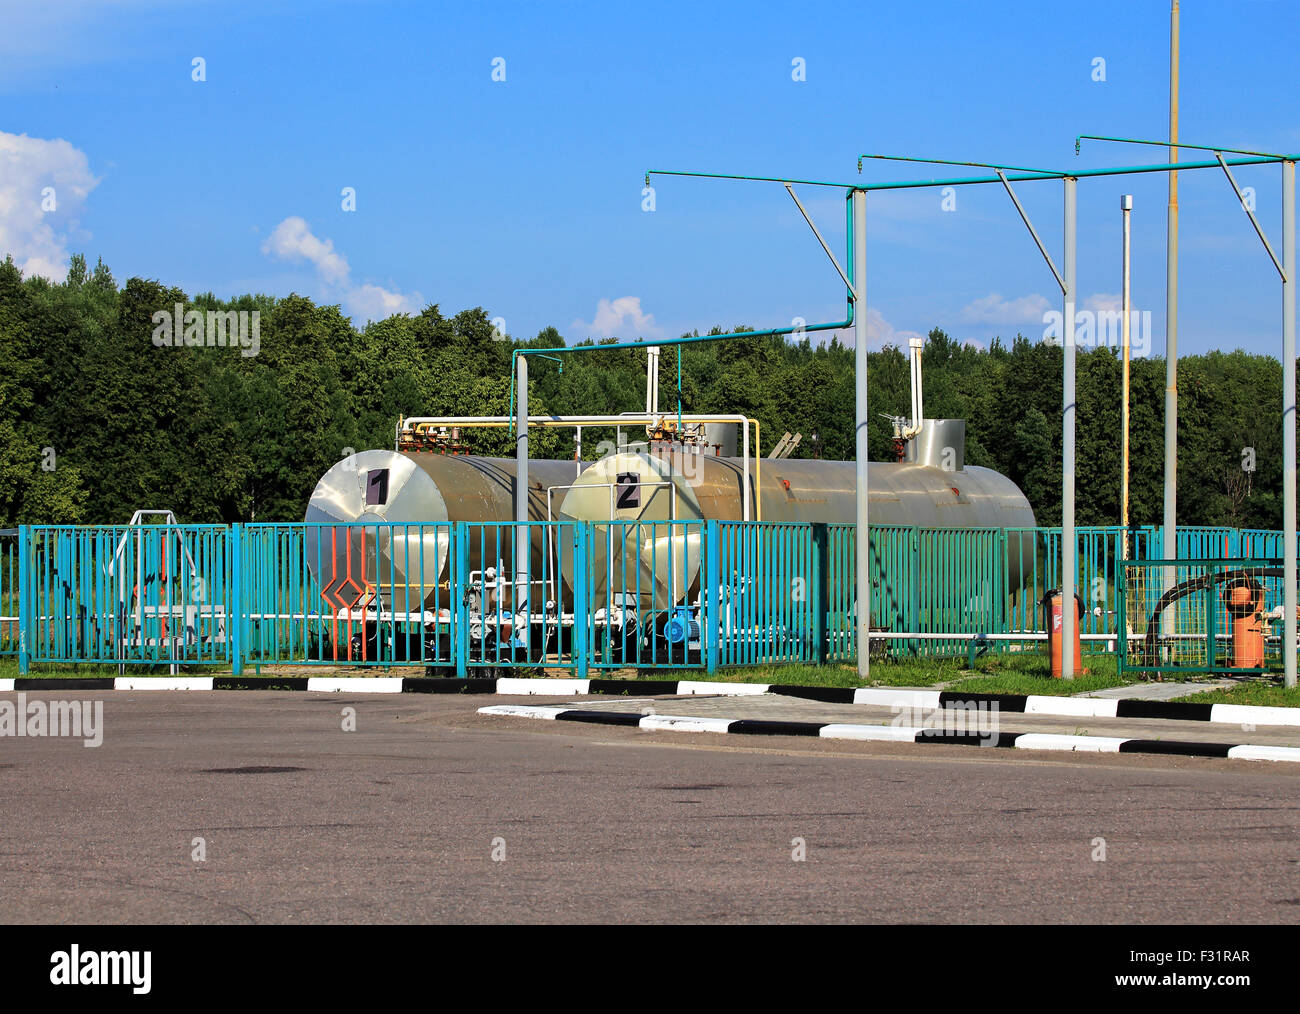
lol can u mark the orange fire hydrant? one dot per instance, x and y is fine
(1052, 608)
(1244, 599)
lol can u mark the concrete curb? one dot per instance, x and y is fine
(896, 734)
(1032, 704)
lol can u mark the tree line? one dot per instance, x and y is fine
(99, 418)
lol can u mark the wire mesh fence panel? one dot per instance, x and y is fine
(1195, 617)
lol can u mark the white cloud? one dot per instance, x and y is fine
(33, 233)
(293, 240)
(375, 303)
(880, 333)
(621, 317)
(993, 309)
(1104, 302)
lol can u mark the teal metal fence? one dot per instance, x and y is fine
(644, 595)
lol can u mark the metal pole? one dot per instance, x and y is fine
(863, 601)
(1170, 549)
(523, 544)
(1288, 425)
(1068, 550)
(1126, 206)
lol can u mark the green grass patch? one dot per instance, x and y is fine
(1031, 673)
(1256, 692)
(834, 675)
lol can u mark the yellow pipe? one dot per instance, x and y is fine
(558, 423)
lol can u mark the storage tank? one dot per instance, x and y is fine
(383, 487)
(670, 484)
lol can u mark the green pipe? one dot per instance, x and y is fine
(1170, 144)
(945, 161)
(1079, 173)
(679, 342)
(755, 179)
(1016, 178)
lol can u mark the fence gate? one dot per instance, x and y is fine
(153, 593)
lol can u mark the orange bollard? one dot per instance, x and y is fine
(1052, 607)
(1244, 599)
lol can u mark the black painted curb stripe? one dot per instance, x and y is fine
(831, 695)
(1005, 702)
(1004, 739)
(1195, 712)
(259, 682)
(769, 727)
(1184, 749)
(71, 683)
(601, 717)
(639, 688)
(442, 685)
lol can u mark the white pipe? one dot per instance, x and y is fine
(916, 344)
(652, 380)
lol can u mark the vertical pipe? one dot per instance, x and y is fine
(522, 549)
(1170, 550)
(863, 601)
(1288, 425)
(580, 637)
(1068, 549)
(24, 599)
(749, 478)
(235, 617)
(459, 588)
(1126, 206)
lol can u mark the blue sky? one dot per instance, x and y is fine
(524, 195)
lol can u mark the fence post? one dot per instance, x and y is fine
(24, 605)
(820, 588)
(1001, 585)
(235, 611)
(460, 600)
(1121, 625)
(712, 594)
(581, 609)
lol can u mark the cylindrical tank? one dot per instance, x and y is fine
(423, 492)
(681, 485)
(1052, 619)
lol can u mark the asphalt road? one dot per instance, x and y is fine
(398, 821)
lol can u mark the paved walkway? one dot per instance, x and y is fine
(774, 707)
(1159, 691)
